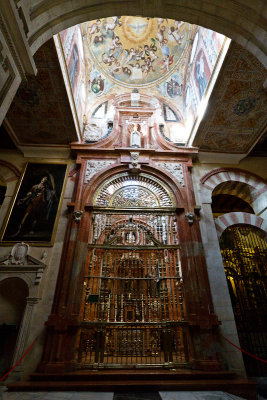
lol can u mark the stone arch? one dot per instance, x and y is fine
(12, 172)
(19, 275)
(246, 185)
(234, 218)
(245, 22)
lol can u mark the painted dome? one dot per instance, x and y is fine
(135, 51)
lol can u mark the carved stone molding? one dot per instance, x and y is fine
(15, 38)
(175, 169)
(94, 166)
(11, 47)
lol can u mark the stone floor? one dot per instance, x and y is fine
(117, 396)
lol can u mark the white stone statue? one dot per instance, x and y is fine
(135, 137)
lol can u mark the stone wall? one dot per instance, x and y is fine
(48, 282)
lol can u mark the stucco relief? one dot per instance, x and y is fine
(175, 169)
(92, 132)
(94, 166)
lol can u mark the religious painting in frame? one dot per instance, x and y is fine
(34, 211)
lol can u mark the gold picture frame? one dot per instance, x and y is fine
(34, 211)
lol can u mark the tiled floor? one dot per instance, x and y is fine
(117, 396)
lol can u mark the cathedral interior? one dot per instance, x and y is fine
(133, 196)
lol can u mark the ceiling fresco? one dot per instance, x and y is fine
(234, 121)
(172, 61)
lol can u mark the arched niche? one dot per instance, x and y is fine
(13, 294)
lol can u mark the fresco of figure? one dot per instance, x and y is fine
(200, 76)
(135, 137)
(73, 70)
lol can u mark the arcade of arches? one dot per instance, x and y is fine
(133, 188)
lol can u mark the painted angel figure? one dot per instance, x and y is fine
(94, 28)
(166, 63)
(110, 26)
(174, 33)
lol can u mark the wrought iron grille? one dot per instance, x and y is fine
(244, 251)
(133, 345)
(133, 311)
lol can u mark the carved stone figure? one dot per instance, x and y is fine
(134, 161)
(19, 254)
(135, 137)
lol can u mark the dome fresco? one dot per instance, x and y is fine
(135, 51)
(172, 61)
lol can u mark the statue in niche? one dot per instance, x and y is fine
(130, 237)
(135, 137)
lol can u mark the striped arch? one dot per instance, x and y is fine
(246, 185)
(234, 218)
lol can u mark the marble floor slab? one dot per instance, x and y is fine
(198, 396)
(117, 396)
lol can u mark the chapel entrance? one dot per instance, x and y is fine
(133, 311)
(244, 251)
